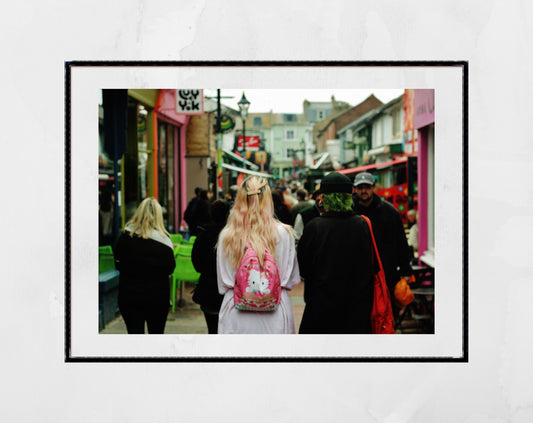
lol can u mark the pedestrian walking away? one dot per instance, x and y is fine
(303, 202)
(205, 262)
(335, 259)
(251, 224)
(197, 211)
(144, 255)
(307, 214)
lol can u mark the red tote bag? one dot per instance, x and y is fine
(381, 318)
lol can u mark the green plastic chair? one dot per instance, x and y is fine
(106, 260)
(191, 240)
(184, 272)
(176, 238)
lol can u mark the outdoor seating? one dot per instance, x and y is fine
(108, 279)
(106, 260)
(184, 272)
(176, 238)
(190, 240)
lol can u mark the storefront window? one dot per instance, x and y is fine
(166, 173)
(143, 152)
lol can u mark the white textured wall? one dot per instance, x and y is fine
(36, 385)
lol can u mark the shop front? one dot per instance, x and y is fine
(171, 175)
(424, 124)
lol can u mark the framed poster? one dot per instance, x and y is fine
(449, 83)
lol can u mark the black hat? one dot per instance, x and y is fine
(335, 182)
(364, 178)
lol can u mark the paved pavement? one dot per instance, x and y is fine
(189, 319)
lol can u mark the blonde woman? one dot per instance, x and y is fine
(252, 220)
(145, 258)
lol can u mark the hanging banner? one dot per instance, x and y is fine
(190, 102)
(226, 123)
(410, 145)
(252, 142)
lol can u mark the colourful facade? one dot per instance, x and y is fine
(145, 138)
(424, 124)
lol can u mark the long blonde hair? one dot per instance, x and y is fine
(251, 220)
(147, 218)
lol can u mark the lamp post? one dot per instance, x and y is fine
(244, 105)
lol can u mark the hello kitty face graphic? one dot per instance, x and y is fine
(257, 283)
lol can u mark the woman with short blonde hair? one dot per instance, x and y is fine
(252, 221)
(145, 258)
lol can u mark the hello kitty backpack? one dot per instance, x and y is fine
(257, 288)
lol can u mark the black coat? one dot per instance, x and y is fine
(335, 260)
(145, 266)
(197, 214)
(390, 238)
(204, 259)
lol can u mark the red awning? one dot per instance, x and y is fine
(372, 166)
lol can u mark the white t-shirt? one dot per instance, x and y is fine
(280, 321)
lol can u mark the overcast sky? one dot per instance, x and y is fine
(291, 101)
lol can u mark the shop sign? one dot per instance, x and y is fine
(424, 108)
(252, 143)
(226, 123)
(190, 102)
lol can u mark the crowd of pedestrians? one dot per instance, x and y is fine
(256, 244)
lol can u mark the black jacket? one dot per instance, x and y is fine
(145, 266)
(335, 260)
(197, 214)
(390, 238)
(204, 260)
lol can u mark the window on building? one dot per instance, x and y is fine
(289, 134)
(397, 123)
(258, 121)
(321, 114)
(289, 117)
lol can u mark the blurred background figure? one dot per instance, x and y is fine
(412, 216)
(232, 193)
(197, 212)
(412, 240)
(281, 210)
(307, 214)
(303, 202)
(204, 259)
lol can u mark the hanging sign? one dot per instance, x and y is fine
(190, 102)
(226, 124)
(252, 142)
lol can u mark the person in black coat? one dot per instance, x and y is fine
(281, 210)
(205, 262)
(335, 260)
(388, 231)
(144, 255)
(197, 212)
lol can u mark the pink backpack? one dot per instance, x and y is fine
(257, 288)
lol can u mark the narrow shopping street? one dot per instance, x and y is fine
(189, 319)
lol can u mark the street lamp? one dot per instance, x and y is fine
(244, 105)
